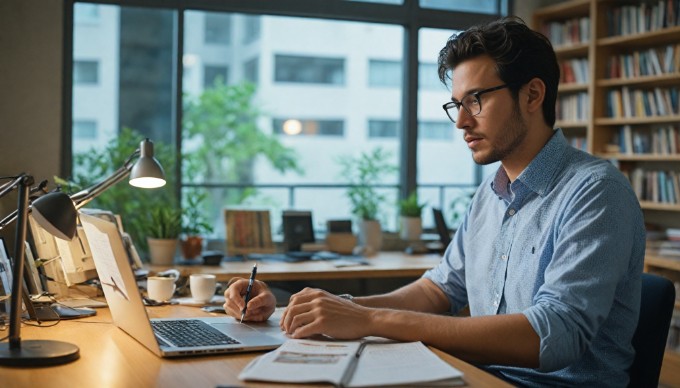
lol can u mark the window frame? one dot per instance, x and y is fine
(409, 15)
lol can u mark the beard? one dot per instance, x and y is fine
(512, 136)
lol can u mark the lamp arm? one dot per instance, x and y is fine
(24, 182)
(83, 197)
(10, 186)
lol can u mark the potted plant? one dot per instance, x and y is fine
(195, 224)
(363, 173)
(162, 227)
(410, 217)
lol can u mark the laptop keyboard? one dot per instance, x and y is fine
(190, 333)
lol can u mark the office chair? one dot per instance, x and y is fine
(649, 340)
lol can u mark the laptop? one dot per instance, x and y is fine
(442, 228)
(166, 337)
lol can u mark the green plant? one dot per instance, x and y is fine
(162, 222)
(129, 202)
(194, 221)
(363, 172)
(459, 207)
(410, 207)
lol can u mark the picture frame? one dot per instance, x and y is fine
(248, 231)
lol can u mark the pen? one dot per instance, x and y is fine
(349, 372)
(250, 286)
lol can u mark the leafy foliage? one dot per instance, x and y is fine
(129, 202)
(362, 173)
(223, 141)
(410, 207)
(162, 222)
(194, 220)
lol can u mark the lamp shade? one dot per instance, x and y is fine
(56, 214)
(147, 172)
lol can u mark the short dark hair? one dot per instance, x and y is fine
(520, 53)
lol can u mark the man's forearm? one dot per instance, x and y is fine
(499, 339)
(421, 295)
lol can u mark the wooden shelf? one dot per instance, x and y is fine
(637, 120)
(670, 369)
(645, 39)
(572, 50)
(641, 157)
(654, 260)
(571, 124)
(572, 87)
(648, 205)
(565, 10)
(647, 80)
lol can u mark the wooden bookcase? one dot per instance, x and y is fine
(626, 136)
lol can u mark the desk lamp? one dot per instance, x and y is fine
(56, 213)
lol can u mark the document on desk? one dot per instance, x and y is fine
(381, 363)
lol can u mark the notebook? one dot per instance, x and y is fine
(217, 334)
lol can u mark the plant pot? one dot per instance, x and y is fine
(191, 246)
(411, 228)
(162, 251)
(370, 234)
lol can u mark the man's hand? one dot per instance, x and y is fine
(313, 311)
(260, 306)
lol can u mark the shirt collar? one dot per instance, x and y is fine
(537, 176)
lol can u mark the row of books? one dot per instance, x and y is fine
(633, 102)
(635, 19)
(568, 32)
(656, 186)
(574, 70)
(573, 107)
(662, 140)
(653, 61)
(578, 142)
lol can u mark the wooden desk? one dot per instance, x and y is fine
(111, 358)
(383, 265)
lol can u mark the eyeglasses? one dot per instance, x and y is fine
(472, 103)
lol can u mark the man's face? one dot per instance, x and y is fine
(496, 132)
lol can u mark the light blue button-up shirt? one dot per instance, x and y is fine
(564, 245)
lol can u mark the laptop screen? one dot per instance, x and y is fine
(442, 228)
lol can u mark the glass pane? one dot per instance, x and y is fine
(478, 6)
(297, 100)
(444, 161)
(122, 93)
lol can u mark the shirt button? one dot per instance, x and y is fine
(504, 257)
(495, 303)
(511, 212)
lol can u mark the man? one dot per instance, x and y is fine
(548, 257)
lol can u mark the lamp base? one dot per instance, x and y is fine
(38, 353)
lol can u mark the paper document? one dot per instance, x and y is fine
(380, 363)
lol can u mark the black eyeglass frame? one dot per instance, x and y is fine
(477, 94)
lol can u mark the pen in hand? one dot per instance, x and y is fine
(250, 287)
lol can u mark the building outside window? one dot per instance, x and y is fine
(212, 73)
(311, 70)
(85, 72)
(337, 82)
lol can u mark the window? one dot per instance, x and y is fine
(212, 73)
(294, 127)
(217, 28)
(251, 70)
(436, 130)
(384, 73)
(313, 70)
(85, 72)
(383, 129)
(86, 13)
(341, 79)
(251, 28)
(481, 6)
(85, 129)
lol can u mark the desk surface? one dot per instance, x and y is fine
(383, 265)
(111, 358)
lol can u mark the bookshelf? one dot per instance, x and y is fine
(632, 90)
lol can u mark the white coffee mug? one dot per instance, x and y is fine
(202, 287)
(159, 288)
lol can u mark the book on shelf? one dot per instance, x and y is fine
(365, 363)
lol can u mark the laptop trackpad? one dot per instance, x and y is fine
(246, 334)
